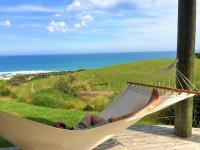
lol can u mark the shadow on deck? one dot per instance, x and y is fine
(151, 138)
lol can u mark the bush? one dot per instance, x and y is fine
(71, 85)
(18, 79)
(64, 85)
(4, 89)
(24, 99)
(197, 55)
(48, 98)
(14, 95)
(170, 111)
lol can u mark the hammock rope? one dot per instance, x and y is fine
(164, 76)
(181, 78)
(187, 80)
(179, 82)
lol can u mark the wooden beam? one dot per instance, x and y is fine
(166, 88)
(185, 55)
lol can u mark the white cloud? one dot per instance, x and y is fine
(58, 14)
(58, 26)
(77, 26)
(104, 3)
(155, 3)
(130, 4)
(6, 23)
(85, 20)
(28, 8)
(91, 4)
(74, 6)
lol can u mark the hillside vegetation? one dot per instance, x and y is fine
(116, 75)
(63, 90)
(34, 99)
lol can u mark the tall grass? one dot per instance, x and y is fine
(48, 98)
(56, 99)
(98, 103)
(71, 84)
(4, 89)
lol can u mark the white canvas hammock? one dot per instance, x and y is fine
(29, 135)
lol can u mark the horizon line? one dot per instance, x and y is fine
(87, 53)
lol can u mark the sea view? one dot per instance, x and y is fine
(46, 63)
(99, 74)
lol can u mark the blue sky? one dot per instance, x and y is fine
(88, 26)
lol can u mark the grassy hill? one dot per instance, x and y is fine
(116, 76)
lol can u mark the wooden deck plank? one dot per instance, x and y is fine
(149, 138)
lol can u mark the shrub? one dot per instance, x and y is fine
(197, 55)
(14, 95)
(62, 84)
(18, 79)
(81, 86)
(4, 89)
(170, 111)
(71, 85)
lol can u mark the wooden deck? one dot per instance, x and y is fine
(149, 138)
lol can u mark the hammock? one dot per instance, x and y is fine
(30, 135)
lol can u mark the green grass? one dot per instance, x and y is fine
(48, 116)
(116, 76)
(40, 114)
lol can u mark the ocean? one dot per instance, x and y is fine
(46, 63)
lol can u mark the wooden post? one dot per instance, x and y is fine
(185, 55)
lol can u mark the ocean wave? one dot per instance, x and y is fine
(13, 73)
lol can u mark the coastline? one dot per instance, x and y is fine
(46, 64)
(10, 75)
